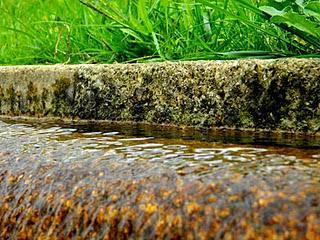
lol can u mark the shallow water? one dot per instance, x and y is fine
(62, 182)
(186, 157)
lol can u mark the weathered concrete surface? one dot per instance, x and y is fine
(279, 94)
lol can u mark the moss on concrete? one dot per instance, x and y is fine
(63, 95)
(269, 94)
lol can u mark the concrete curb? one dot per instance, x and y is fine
(281, 94)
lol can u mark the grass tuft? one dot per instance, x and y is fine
(90, 31)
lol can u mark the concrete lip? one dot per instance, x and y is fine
(49, 193)
(280, 95)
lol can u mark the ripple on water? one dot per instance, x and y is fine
(61, 143)
(98, 184)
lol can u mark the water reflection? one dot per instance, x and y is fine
(184, 156)
(66, 183)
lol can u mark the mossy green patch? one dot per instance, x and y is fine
(63, 96)
(33, 99)
(275, 94)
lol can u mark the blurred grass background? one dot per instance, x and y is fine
(91, 31)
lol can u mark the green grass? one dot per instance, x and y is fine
(90, 31)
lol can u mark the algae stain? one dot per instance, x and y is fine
(141, 102)
(63, 97)
(1, 99)
(86, 96)
(12, 101)
(44, 101)
(20, 103)
(11, 98)
(97, 99)
(33, 101)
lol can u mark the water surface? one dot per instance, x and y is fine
(67, 181)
